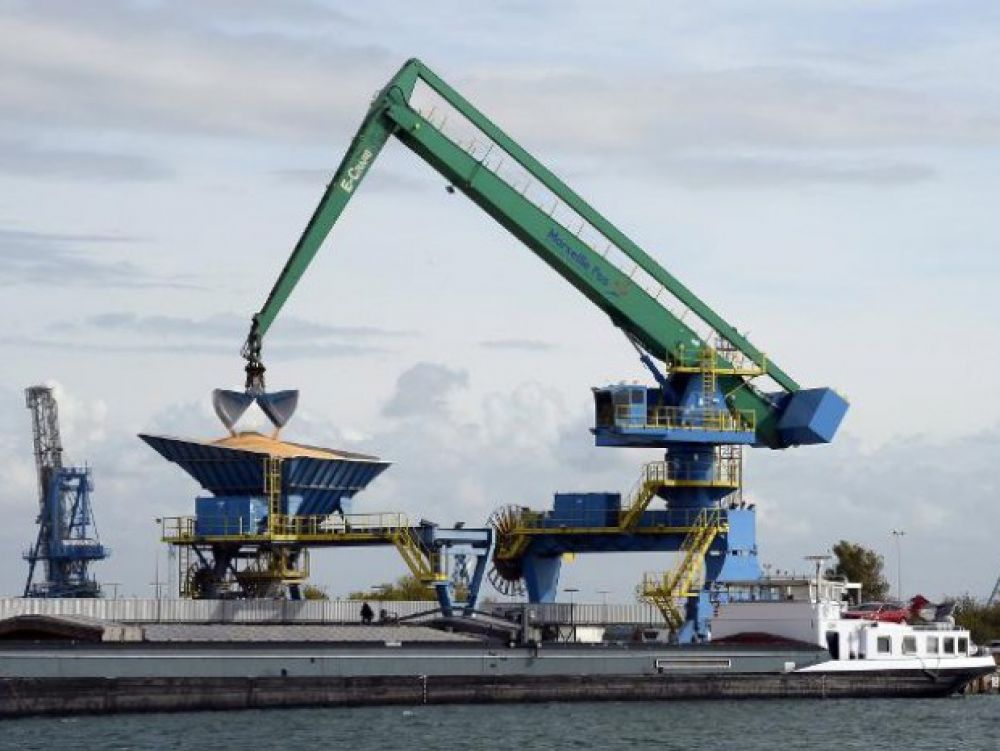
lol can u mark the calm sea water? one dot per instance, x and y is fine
(938, 724)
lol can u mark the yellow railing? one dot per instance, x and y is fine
(389, 527)
(377, 525)
(681, 418)
(284, 527)
(518, 539)
(421, 562)
(723, 359)
(726, 471)
(176, 528)
(664, 590)
(645, 489)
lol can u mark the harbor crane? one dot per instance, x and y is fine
(714, 393)
(67, 541)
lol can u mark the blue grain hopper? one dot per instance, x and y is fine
(318, 480)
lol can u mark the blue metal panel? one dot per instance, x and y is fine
(811, 416)
(733, 556)
(222, 471)
(541, 578)
(641, 436)
(584, 510)
(323, 483)
(230, 515)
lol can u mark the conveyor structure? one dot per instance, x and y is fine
(271, 501)
(714, 393)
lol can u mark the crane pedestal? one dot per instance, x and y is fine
(702, 519)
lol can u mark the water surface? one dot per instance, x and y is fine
(898, 724)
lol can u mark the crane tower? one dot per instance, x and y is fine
(67, 541)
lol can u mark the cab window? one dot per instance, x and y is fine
(883, 645)
(949, 645)
(932, 645)
(963, 645)
(909, 645)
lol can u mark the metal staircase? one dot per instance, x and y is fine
(272, 489)
(186, 568)
(708, 366)
(418, 560)
(664, 590)
(654, 477)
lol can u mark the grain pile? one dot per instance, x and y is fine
(262, 444)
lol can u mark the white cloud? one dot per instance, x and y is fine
(423, 391)
(149, 70)
(198, 76)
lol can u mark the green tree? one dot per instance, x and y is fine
(312, 592)
(406, 587)
(862, 565)
(982, 620)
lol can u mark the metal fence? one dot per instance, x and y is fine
(581, 614)
(134, 610)
(208, 611)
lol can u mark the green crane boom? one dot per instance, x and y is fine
(610, 286)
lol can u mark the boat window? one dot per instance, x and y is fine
(638, 397)
(949, 645)
(909, 645)
(884, 645)
(963, 645)
(932, 645)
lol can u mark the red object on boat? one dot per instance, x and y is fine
(890, 612)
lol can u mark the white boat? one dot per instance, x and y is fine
(811, 611)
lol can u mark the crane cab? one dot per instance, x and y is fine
(620, 406)
(643, 416)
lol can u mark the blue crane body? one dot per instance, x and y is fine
(67, 542)
(706, 403)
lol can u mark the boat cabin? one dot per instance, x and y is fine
(810, 610)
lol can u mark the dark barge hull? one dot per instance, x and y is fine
(64, 696)
(79, 678)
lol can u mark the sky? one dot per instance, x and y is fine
(821, 173)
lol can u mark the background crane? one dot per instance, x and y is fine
(67, 541)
